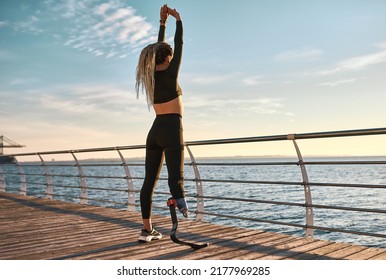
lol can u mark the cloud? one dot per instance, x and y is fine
(134, 29)
(261, 105)
(111, 29)
(4, 23)
(305, 54)
(6, 55)
(99, 102)
(60, 137)
(253, 80)
(235, 78)
(30, 25)
(88, 100)
(359, 62)
(338, 82)
(102, 9)
(244, 106)
(119, 14)
(22, 81)
(97, 114)
(208, 79)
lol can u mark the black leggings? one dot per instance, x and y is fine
(164, 139)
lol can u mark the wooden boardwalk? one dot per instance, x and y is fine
(33, 228)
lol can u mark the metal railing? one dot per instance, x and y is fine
(112, 183)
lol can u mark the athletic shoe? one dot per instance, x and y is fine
(182, 206)
(147, 236)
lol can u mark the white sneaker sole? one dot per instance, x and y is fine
(149, 238)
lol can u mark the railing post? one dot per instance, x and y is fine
(83, 182)
(199, 189)
(23, 181)
(49, 189)
(2, 180)
(130, 185)
(307, 190)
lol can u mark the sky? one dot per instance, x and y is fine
(249, 68)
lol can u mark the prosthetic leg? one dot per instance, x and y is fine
(172, 206)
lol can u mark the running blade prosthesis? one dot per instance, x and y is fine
(172, 203)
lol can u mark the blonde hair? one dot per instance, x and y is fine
(150, 56)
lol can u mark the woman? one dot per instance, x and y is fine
(157, 75)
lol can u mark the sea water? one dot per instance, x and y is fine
(215, 184)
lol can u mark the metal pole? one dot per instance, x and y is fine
(83, 182)
(1, 144)
(23, 181)
(49, 189)
(199, 189)
(130, 185)
(2, 180)
(307, 190)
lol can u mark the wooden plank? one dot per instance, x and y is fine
(262, 250)
(257, 248)
(319, 253)
(65, 236)
(366, 254)
(344, 253)
(33, 228)
(291, 249)
(381, 256)
(63, 242)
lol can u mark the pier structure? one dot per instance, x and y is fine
(42, 229)
(7, 143)
(46, 213)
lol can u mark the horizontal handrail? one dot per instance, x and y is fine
(368, 210)
(313, 135)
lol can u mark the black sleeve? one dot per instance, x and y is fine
(178, 42)
(161, 33)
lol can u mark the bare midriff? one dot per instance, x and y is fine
(174, 106)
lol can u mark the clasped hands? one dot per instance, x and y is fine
(166, 11)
